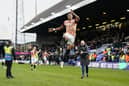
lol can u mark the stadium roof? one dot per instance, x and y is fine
(100, 12)
(57, 10)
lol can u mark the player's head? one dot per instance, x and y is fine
(35, 47)
(83, 42)
(8, 42)
(70, 16)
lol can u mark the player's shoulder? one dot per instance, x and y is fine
(66, 21)
(73, 20)
(9, 47)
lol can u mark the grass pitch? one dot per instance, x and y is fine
(68, 76)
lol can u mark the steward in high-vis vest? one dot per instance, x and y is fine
(9, 54)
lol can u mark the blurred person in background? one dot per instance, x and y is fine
(94, 56)
(127, 56)
(122, 57)
(9, 54)
(45, 56)
(61, 60)
(34, 57)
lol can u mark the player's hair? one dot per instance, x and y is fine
(9, 42)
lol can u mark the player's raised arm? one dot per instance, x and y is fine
(55, 29)
(77, 18)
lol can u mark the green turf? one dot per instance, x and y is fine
(69, 76)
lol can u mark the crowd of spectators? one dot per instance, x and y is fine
(116, 52)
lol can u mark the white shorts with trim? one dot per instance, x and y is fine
(34, 60)
(70, 38)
